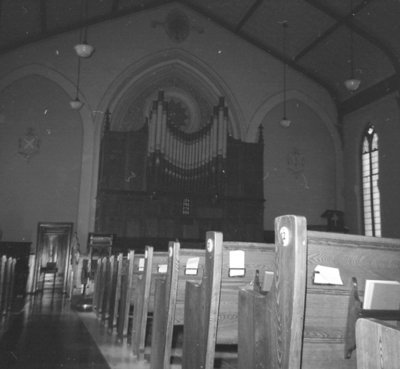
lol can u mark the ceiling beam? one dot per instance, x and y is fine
(248, 14)
(268, 49)
(82, 23)
(370, 94)
(349, 22)
(115, 14)
(330, 30)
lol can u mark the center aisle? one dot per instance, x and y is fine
(46, 334)
(117, 354)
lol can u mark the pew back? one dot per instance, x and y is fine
(271, 325)
(327, 320)
(183, 265)
(211, 307)
(154, 267)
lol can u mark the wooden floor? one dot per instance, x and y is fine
(45, 333)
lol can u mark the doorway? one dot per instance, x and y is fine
(53, 253)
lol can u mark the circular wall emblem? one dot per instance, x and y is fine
(210, 245)
(285, 236)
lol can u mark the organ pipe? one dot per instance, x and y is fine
(187, 160)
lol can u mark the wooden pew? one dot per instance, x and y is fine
(331, 310)
(154, 268)
(3, 286)
(329, 327)
(98, 286)
(378, 345)
(271, 325)
(211, 307)
(124, 293)
(129, 267)
(169, 300)
(115, 292)
(7, 278)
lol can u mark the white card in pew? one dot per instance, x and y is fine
(384, 295)
(141, 265)
(192, 266)
(236, 263)
(162, 268)
(327, 275)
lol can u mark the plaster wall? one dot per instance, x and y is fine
(128, 48)
(385, 116)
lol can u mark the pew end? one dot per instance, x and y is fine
(271, 325)
(378, 344)
(201, 303)
(356, 312)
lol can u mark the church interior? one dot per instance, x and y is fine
(133, 123)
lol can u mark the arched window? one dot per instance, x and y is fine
(370, 183)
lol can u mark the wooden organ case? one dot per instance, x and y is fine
(160, 183)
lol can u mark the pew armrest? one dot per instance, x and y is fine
(355, 312)
(378, 344)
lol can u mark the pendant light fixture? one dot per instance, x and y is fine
(83, 49)
(352, 83)
(76, 104)
(285, 122)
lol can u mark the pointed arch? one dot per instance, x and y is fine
(272, 102)
(86, 121)
(370, 181)
(129, 83)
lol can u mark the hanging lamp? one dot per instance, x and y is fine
(76, 104)
(83, 49)
(352, 83)
(285, 122)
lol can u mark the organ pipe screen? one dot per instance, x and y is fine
(188, 162)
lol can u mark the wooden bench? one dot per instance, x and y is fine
(154, 268)
(378, 345)
(271, 325)
(331, 310)
(183, 265)
(329, 326)
(211, 306)
(124, 293)
(7, 279)
(112, 289)
(115, 290)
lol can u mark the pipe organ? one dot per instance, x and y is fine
(165, 181)
(188, 162)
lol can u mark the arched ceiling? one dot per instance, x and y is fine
(318, 34)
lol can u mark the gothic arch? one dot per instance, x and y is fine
(270, 103)
(129, 82)
(155, 68)
(85, 192)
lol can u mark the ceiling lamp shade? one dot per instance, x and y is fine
(285, 123)
(352, 84)
(76, 104)
(84, 50)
